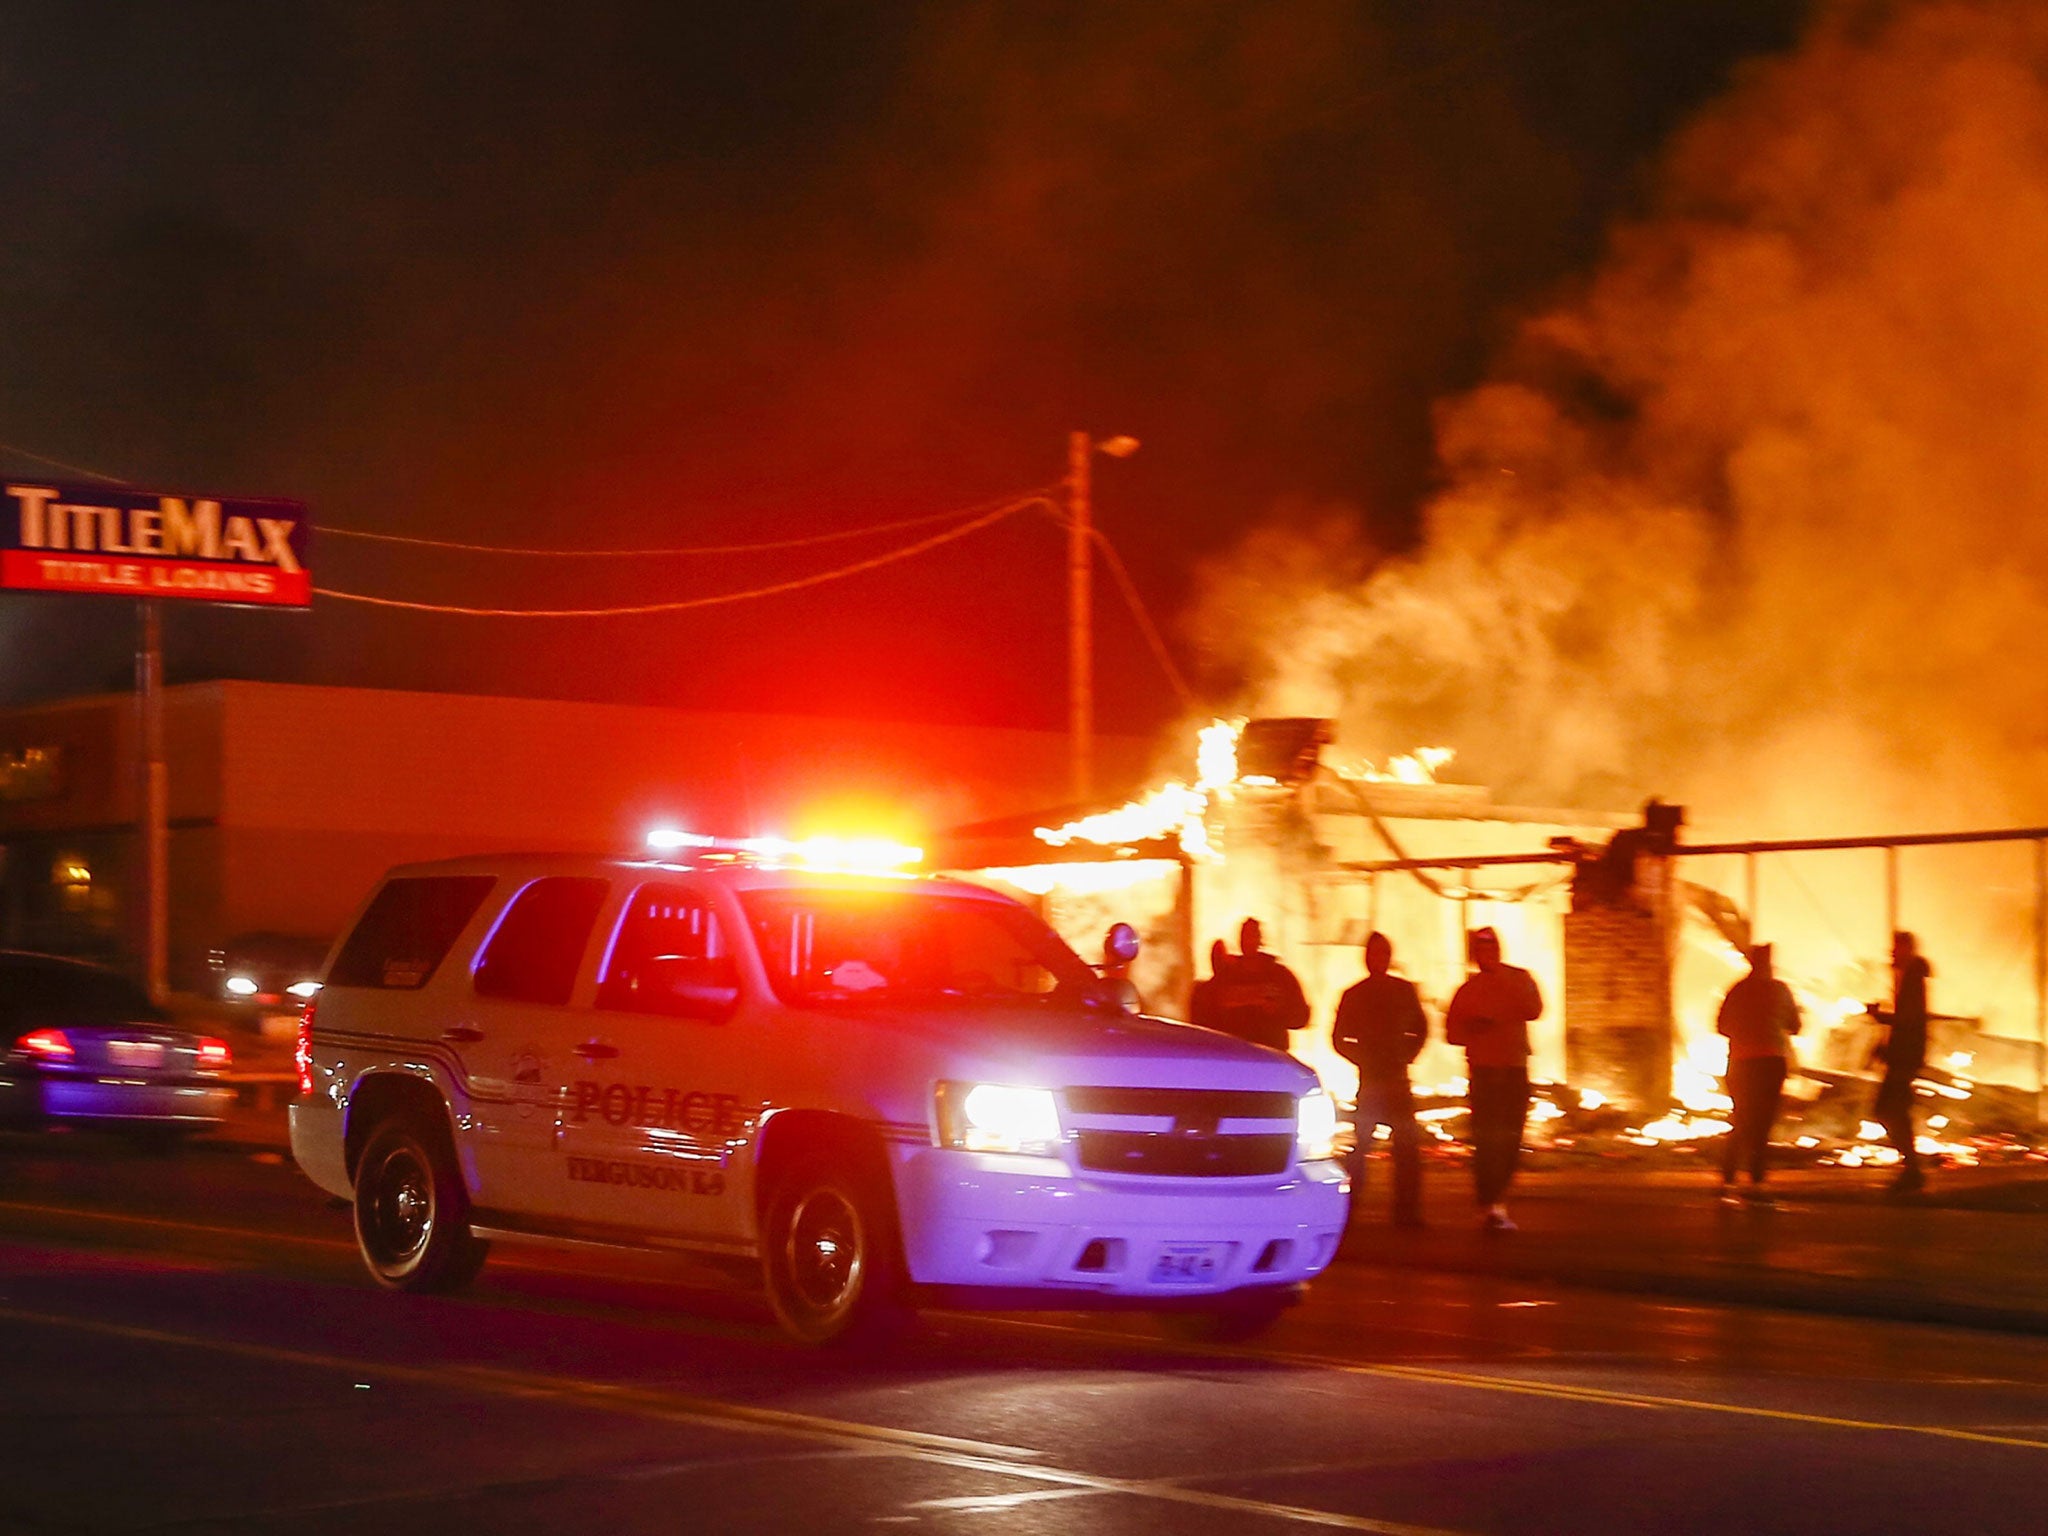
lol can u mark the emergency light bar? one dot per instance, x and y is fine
(840, 853)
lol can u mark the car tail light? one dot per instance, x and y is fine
(47, 1045)
(214, 1055)
(303, 1055)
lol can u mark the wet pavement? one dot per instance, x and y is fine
(187, 1343)
(1973, 1251)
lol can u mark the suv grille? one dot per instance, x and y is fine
(1192, 1145)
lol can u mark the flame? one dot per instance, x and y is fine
(1179, 810)
(1216, 755)
(1696, 1076)
(1417, 767)
(1174, 809)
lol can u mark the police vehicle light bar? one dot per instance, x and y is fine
(842, 853)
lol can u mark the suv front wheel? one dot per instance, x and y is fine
(412, 1212)
(830, 1256)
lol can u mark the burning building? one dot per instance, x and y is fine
(1616, 916)
(1276, 825)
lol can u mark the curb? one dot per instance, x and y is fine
(1776, 1289)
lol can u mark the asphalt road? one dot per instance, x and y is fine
(187, 1344)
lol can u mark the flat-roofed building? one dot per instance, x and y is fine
(287, 801)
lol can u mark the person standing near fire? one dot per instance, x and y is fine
(1905, 1052)
(1380, 1029)
(1759, 1016)
(1257, 998)
(1204, 998)
(1490, 1016)
(1119, 949)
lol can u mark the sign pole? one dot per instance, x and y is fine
(153, 801)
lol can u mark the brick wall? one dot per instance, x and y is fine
(1617, 988)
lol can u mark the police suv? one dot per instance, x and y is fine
(884, 1091)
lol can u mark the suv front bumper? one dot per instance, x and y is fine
(973, 1219)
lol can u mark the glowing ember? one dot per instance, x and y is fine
(1678, 1128)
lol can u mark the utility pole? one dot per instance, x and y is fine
(1080, 616)
(152, 802)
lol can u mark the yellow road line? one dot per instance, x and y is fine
(967, 1455)
(1599, 1396)
(1426, 1374)
(164, 1223)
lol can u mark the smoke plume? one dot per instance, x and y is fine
(1752, 520)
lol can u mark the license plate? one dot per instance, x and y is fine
(1188, 1263)
(134, 1053)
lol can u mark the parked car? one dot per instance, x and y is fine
(883, 1092)
(84, 1046)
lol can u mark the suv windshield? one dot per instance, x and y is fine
(851, 946)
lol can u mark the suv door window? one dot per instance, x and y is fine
(406, 930)
(670, 952)
(533, 956)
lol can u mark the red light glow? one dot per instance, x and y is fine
(302, 1054)
(47, 1045)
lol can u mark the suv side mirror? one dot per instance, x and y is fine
(690, 987)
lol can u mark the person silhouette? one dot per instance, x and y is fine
(1260, 1000)
(1489, 1016)
(1380, 1028)
(1759, 1016)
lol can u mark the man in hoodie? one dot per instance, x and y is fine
(1905, 1053)
(1490, 1016)
(1759, 1016)
(1258, 998)
(1380, 1029)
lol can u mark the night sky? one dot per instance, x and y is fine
(625, 275)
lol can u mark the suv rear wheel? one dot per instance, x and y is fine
(829, 1256)
(412, 1212)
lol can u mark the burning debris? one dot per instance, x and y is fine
(1633, 958)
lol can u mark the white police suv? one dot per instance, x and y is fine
(885, 1091)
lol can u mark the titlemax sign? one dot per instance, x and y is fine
(121, 543)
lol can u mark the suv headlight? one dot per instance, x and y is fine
(1315, 1126)
(990, 1117)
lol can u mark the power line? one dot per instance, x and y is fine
(803, 542)
(679, 605)
(74, 469)
(1146, 627)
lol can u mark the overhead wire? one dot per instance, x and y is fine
(975, 519)
(803, 541)
(75, 469)
(1146, 627)
(712, 600)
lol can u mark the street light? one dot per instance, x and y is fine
(1081, 447)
